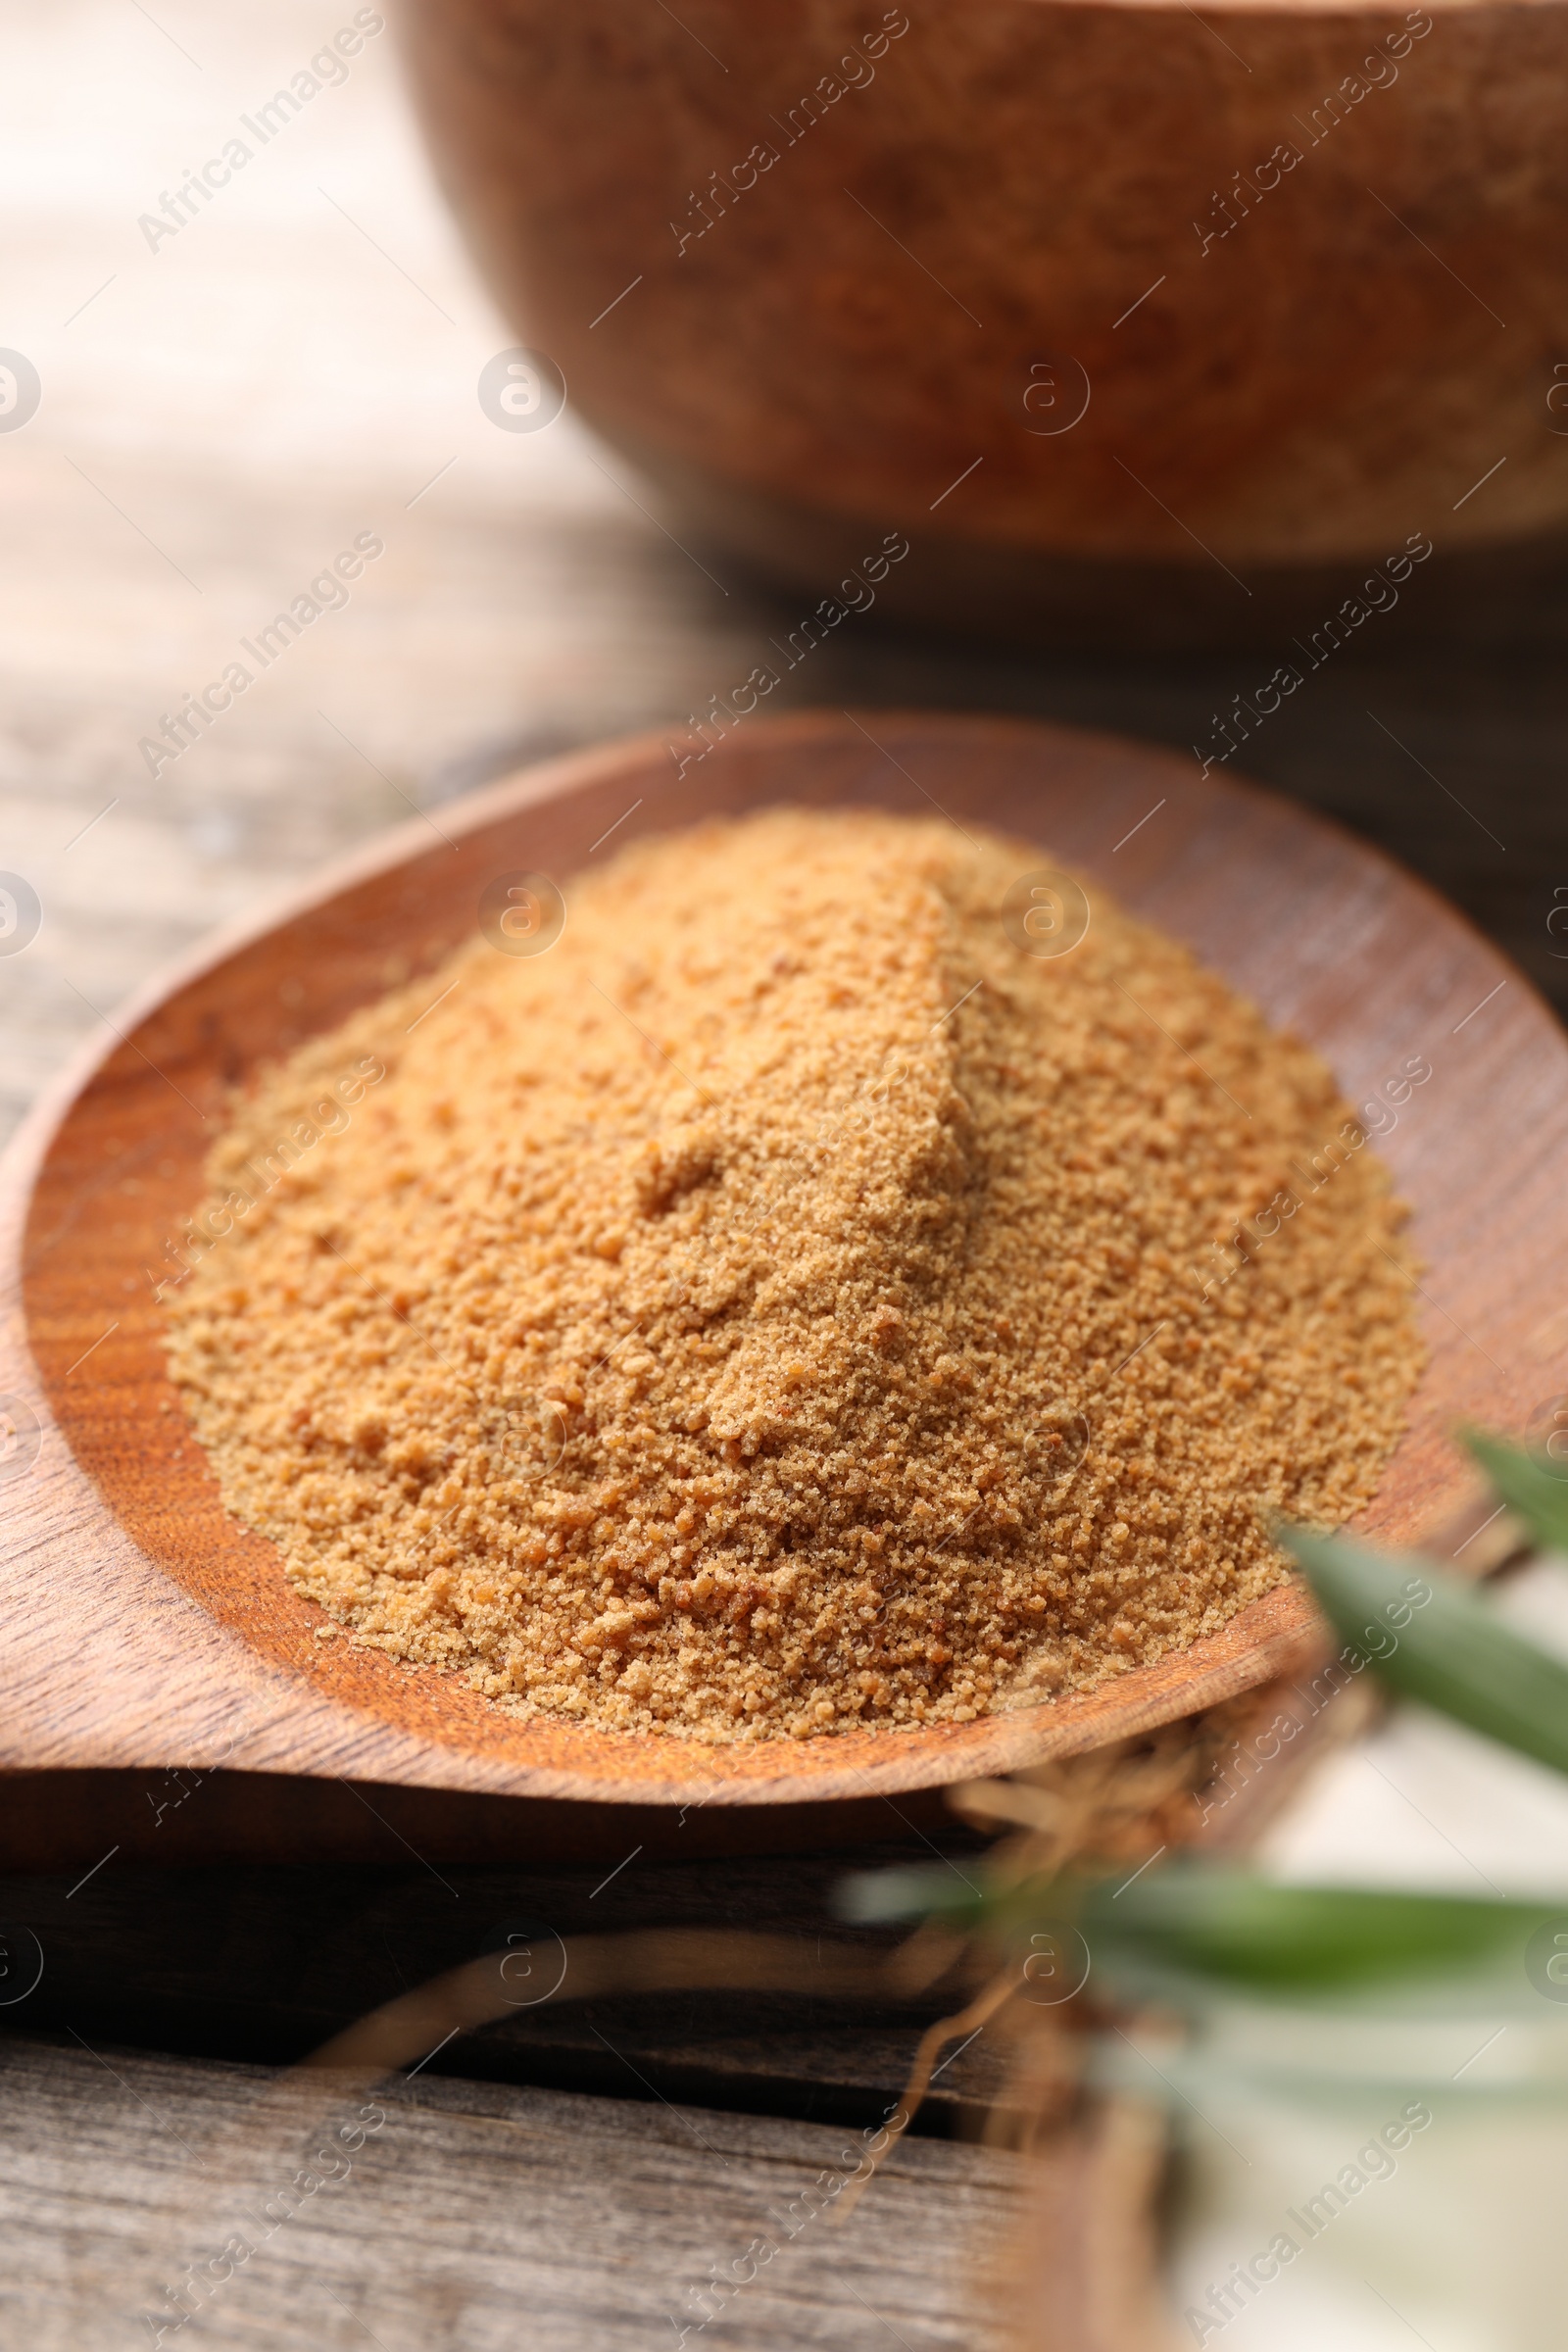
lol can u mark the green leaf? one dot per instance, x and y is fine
(1203, 1921)
(927, 1890)
(1197, 1924)
(1530, 1483)
(1430, 1637)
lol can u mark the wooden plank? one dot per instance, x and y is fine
(265, 1965)
(476, 2216)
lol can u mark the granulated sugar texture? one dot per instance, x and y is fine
(795, 1300)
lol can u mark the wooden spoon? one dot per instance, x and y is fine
(142, 1626)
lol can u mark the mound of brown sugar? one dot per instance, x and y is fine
(795, 1300)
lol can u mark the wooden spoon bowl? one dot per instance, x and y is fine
(140, 1625)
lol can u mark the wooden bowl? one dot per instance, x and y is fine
(1038, 288)
(141, 1626)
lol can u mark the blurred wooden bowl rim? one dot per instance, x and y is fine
(1210, 303)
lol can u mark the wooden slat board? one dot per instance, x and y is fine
(267, 1964)
(478, 2217)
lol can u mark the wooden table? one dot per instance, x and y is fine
(579, 2169)
(221, 412)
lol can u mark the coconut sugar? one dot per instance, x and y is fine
(799, 1298)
